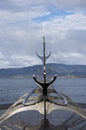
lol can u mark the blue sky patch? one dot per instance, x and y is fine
(54, 12)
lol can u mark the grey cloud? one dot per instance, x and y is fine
(21, 38)
(78, 38)
(8, 5)
(24, 5)
(79, 35)
(70, 5)
(15, 45)
(71, 49)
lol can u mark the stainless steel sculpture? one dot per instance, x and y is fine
(44, 98)
(72, 122)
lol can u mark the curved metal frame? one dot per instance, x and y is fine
(28, 102)
(64, 102)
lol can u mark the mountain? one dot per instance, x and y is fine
(52, 69)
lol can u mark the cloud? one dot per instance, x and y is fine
(70, 58)
(22, 60)
(24, 5)
(21, 31)
(70, 5)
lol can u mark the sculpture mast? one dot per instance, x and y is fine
(44, 57)
(44, 85)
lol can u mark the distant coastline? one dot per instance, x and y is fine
(62, 70)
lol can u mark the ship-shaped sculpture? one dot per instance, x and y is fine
(44, 98)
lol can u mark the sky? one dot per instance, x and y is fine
(24, 22)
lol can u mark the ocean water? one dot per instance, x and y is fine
(75, 88)
(12, 89)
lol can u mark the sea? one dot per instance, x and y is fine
(11, 89)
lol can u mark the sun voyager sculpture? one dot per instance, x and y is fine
(44, 98)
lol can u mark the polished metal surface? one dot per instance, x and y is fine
(44, 99)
